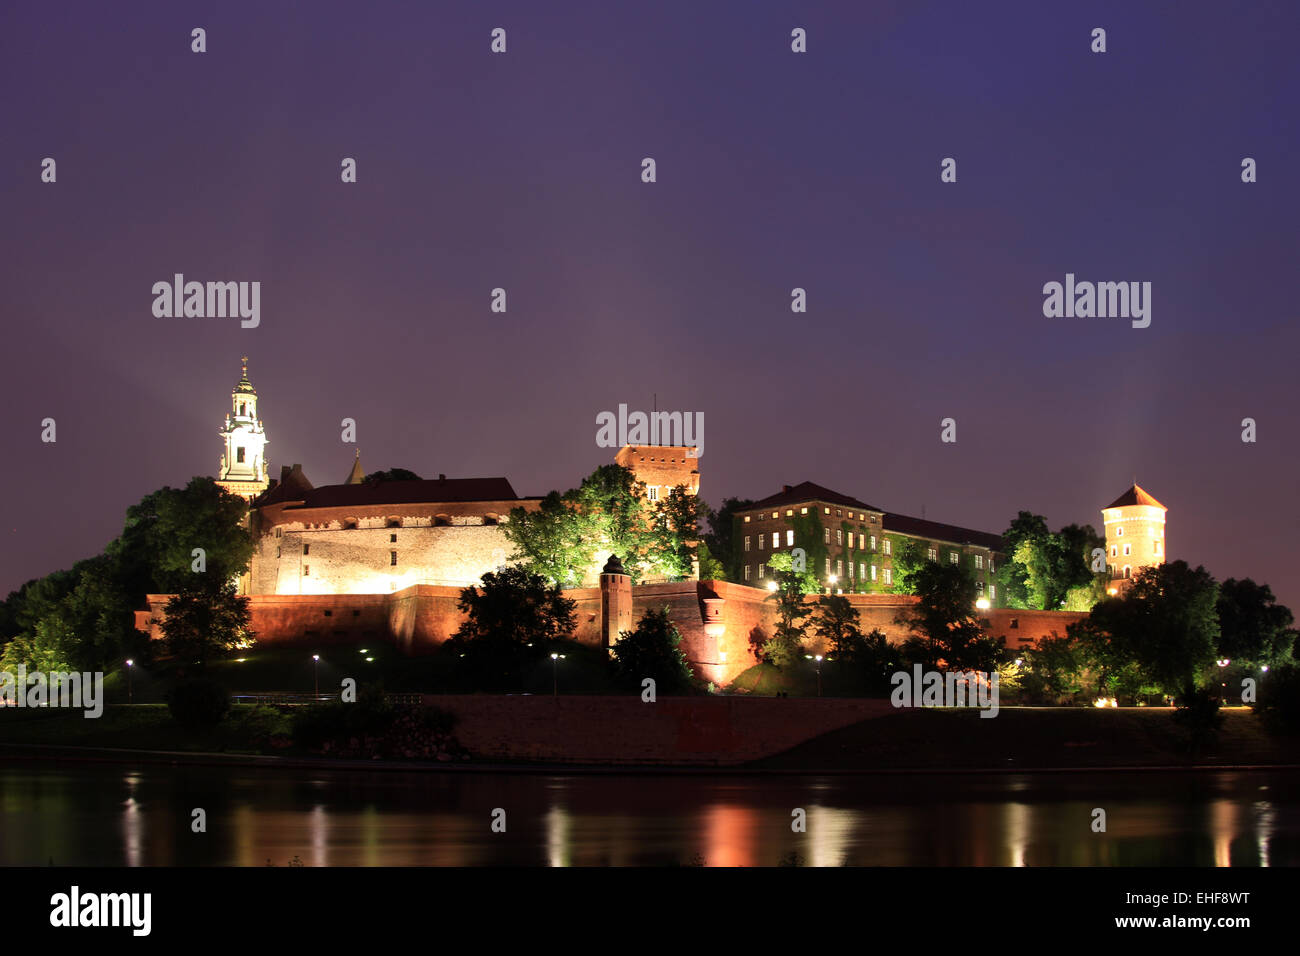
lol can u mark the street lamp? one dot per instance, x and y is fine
(818, 659)
(130, 669)
(315, 672)
(833, 579)
(771, 585)
(555, 674)
(983, 604)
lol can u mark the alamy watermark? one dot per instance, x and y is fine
(951, 689)
(1102, 300)
(84, 691)
(652, 428)
(180, 299)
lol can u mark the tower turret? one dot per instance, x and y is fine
(243, 469)
(1135, 535)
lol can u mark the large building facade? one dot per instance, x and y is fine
(851, 546)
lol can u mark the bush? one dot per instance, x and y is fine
(259, 723)
(198, 703)
(1278, 704)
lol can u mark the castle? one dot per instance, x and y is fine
(386, 560)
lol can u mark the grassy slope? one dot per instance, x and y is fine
(1033, 738)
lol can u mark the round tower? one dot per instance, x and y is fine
(1135, 536)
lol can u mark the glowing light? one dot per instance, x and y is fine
(983, 604)
(771, 585)
(130, 663)
(1112, 591)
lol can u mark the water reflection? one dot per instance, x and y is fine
(97, 816)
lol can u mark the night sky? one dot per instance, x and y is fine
(775, 170)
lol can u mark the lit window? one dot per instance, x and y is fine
(889, 575)
(760, 570)
(747, 542)
(776, 540)
(979, 587)
(932, 554)
(762, 538)
(862, 570)
(979, 560)
(850, 539)
(803, 511)
(828, 510)
(773, 514)
(789, 538)
(746, 519)
(889, 547)
(952, 557)
(873, 542)
(993, 591)
(1128, 549)
(839, 536)
(747, 572)
(789, 512)
(828, 567)
(839, 567)
(828, 535)
(873, 572)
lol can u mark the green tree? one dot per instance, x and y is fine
(674, 534)
(392, 474)
(1254, 630)
(836, 622)
(785, 645)
(652, 649)
(1053, 669)
(723, 535)
(510, 621)
(944, 619)
(711, 569)
(1012, 574)
(551, 541)
(910, 556)
(205, 619)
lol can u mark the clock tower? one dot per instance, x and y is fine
(243, 469)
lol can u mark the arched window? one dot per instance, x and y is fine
(441, 521)
(1128, 571)
(491, 518)
(350, 523)
(394, 521)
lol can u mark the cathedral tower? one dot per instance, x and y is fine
(1135, 535)
(244, 465)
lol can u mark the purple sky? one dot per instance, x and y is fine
(775, 170)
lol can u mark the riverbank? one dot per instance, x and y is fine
(601, 734)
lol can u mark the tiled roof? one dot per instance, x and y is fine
(808, 491)
(1135, 496)
(425, 491)
(937, 531)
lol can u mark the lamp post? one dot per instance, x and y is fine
(818, 659)
(555, 674)
(833, 579)
(130, 692)
(315, 672)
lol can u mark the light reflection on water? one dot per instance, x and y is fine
(105, 816)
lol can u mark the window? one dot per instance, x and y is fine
(979, 587)
(789, 512)
(241, 408)
(789, 538)
(762, 569)
(1157, 547)
(746, 519)
(850, 539)
(839, 513)
(773, 514)
(850, 569)
(1015, 623)
(329, 613)
(979, 560)
(839, 567)
(279, 532)
(862, 570)
(306, 570)
(1128, 549)
(746, 542)
(873, 572)
(873, 542)
(747, 572)
(828, 567)
(990, 565)
(889, 575)
(392, 558)
(761, 539)
(803, 511)
(392, 538)
(776, 540)
(827, 510)
(993, 591)
(306, 549)
(652, 492)
(932, 554)
(952, 557)
(277, 552)
(889, 546)
(239, 454)
(1114, 551)
(1119, 532)
(1128, 571)
(827, 535)
(839, 536)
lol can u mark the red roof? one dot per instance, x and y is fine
(1136, 496)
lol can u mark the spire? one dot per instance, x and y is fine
(244, 384)
(356, 476)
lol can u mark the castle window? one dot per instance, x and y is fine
(441, 521)
(394, 522)
(979, 560)
(1119, 532)
(789, 538)
(873, 542)
(490, 518)
(239, 454)
(776, 540)
(889, 575)
(932, 554)
(889, 546)
(762, 539)
(1128, 571)
(1114, 551)
(952, 557)
(392, 538)
(873, 572)
(306, 570)
(277, 552)
(761, 569)
(306, 549)
(279, 532)
(652, 492)
(329, 613)
(747, 572)
(747, 542)
(349, 523)
(1015, 623)
(827, 532)
(392, 558)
